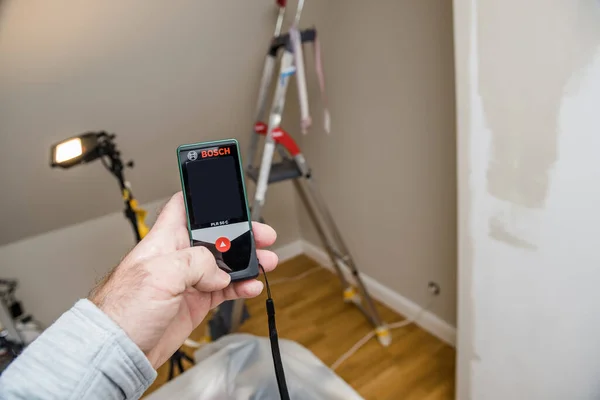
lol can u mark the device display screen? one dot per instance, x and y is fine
(216, 204)
(213, 187)
(206, 178)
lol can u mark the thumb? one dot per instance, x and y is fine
(192, 267)
(168, 233)
(172, 214)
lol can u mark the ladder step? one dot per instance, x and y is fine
(281, 171)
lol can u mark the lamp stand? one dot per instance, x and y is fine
(135, 215)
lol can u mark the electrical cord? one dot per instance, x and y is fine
(296, 277)
(193, 344)
(371, 334)
(364, 339)
(279, 374)
(359, 343)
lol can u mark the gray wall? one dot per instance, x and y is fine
(57, 268)
(159, 74)
(388, 167)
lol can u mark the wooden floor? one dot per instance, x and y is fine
(310, 311)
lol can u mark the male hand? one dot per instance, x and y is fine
(164, 288)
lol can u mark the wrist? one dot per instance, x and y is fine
(99, 300)
(125, 323)
(130, 353)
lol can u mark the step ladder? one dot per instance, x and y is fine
(293, 166)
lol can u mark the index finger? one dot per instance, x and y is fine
(264, 235)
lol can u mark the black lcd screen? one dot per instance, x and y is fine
(215, 190)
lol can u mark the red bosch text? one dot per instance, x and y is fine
(216, 153)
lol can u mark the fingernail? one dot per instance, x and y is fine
(224, 276)
(259, 287)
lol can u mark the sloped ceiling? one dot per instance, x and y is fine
(158, 74)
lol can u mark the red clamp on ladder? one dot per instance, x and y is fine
(280, 136)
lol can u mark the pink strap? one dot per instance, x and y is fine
(321, 76)
(305, 119)
(297, 46)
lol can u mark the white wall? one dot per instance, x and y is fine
(528, 90)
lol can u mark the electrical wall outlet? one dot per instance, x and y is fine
(433, 288)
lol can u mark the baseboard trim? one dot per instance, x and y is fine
(400, 304)
(290, 250)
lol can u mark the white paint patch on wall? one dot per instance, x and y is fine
(536, 311)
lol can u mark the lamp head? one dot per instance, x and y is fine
(76, 150)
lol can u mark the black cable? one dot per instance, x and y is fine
(279, 374)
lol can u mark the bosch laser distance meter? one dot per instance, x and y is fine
(217, 209)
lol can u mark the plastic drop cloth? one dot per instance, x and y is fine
(240, 367)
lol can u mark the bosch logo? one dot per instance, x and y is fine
(217, 152)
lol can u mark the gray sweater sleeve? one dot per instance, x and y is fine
(83, 355)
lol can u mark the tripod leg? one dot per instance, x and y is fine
(188, 358)
(180, 365)
(171, 369)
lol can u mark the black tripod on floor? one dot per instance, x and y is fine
(176, 362)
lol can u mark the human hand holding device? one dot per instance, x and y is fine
(164, 288)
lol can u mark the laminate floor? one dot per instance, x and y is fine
(310, 311)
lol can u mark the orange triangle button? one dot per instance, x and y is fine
(223, 244)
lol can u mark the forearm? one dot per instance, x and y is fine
(83, 355)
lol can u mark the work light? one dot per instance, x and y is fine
(91, 146)
(77, 150)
